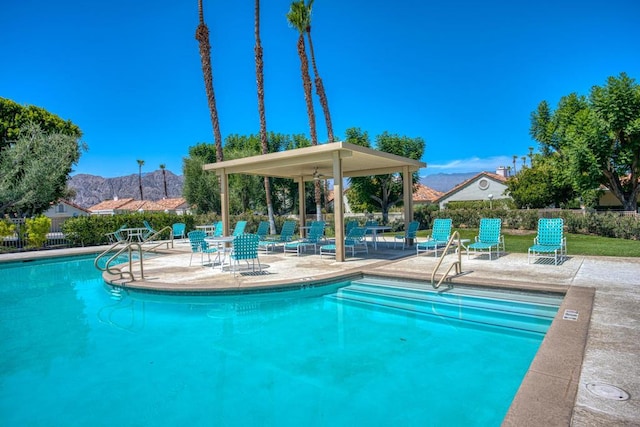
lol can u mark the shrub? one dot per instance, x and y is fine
(37, 229)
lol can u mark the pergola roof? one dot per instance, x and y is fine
(318, 160)
(334, 160)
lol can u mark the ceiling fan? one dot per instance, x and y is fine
(317, 175)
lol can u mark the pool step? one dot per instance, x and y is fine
(508, 313)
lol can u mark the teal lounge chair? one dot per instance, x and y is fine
(410, 233)
(118, 235)
(354, 240)
(314, 236)
(488, 237)
(550, 241)
(218, 229)
(245, 248)
(286, 236)
(150, 230)
(263, 230)
(199, 245)
(239, 228)
(440, 234)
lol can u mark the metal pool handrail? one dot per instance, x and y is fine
(457, 264)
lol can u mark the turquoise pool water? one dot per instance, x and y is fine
(75, 354)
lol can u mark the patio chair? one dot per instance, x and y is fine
(440, 234)
(178, 230)
(314, 236)
(286, 236)
(199, 245)
(355, 239)
(239, 228)
(117, 236)
(550, 241)
(218, 229)
(410, 233)
(350, 225)
(245, 248)
(488, 237)
(150, 230)
(263, 229)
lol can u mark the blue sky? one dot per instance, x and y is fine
(463, 75)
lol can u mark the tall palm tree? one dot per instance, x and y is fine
(163, 167)
(261, 113)
(514, 164)
(298, 17)
(202, 35)
(318, 81)
(140, 163)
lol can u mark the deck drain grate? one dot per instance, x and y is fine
(608, 391)
(570, 315)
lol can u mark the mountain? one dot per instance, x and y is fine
(92, 189)
(446, 181)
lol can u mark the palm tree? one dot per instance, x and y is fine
(163, 167)
(514, 163)
(524, 161)
(261, 113)
(140, 163)
(298, 17)
(318, 81)
(202, 35)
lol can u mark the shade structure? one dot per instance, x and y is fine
(336, 160)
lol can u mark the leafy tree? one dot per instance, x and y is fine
(13, 117)
(201, 189)
(540, 186)
(597, 138)
(202, 35)
(34, 169)
(381, 192)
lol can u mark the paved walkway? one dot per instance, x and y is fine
(611, 338)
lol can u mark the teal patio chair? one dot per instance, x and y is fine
(263, 230)
(286, 235)
(178, 230)
(150, 230)
(350, 225)
(488, 237)
(118, 235)
(245, 248)
(314, 236)
(410, 233)
(440, 234)
(354, 240)
(218, 229)
(239, 228)
(550, 241)
(199, 245)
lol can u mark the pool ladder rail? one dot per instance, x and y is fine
(129, 248)
(454, 239)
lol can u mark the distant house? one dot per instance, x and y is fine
(117, 206)
(483, 186)
(62, 210)
(423, 195)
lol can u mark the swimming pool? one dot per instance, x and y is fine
(75, 353)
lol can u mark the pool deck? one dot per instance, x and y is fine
(601, 346)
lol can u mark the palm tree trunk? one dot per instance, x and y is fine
(202, 35)
(320, 89)
(261, 113)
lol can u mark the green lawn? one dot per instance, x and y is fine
(577, 244)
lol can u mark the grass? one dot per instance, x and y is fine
(577, 244)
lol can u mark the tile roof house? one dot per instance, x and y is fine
(423, 195)
(111, 207)
(483, 186)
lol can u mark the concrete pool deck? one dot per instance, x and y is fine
(601, 347)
